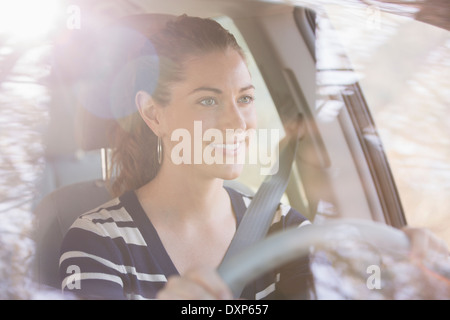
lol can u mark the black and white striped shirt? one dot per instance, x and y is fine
(114, 252)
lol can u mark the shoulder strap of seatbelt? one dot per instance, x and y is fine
(260, 213)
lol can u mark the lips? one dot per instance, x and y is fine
(230, 147)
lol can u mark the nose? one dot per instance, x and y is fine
(233, 117)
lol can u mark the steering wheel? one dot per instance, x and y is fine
(284, 247)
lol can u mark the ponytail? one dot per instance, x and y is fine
(134, 158)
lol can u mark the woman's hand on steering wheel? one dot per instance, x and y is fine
(425, 245)
(201, 283)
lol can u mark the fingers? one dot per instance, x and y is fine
(210, 280)
(197, 284)
(179, 288)
(425, 245)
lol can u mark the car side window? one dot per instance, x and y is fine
(402, 67)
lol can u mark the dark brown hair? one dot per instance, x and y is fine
(158, 64)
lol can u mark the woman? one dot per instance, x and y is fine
(172, 221)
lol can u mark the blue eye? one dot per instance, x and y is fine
(208, 102)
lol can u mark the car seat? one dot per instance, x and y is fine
(58, 210)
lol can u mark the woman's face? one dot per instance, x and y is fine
(209, 113)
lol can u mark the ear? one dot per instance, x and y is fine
(148, 110)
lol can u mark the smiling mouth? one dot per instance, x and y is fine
(231, 147)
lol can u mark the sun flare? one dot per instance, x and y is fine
(27, 19)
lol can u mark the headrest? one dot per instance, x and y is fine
(94, 65)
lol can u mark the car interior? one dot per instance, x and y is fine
(338, 173)
(89, 129)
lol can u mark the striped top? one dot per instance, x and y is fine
(114, 252)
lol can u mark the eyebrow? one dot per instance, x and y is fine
(247, 88)
(218, 91)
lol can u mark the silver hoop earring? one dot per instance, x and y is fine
(159, 150)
